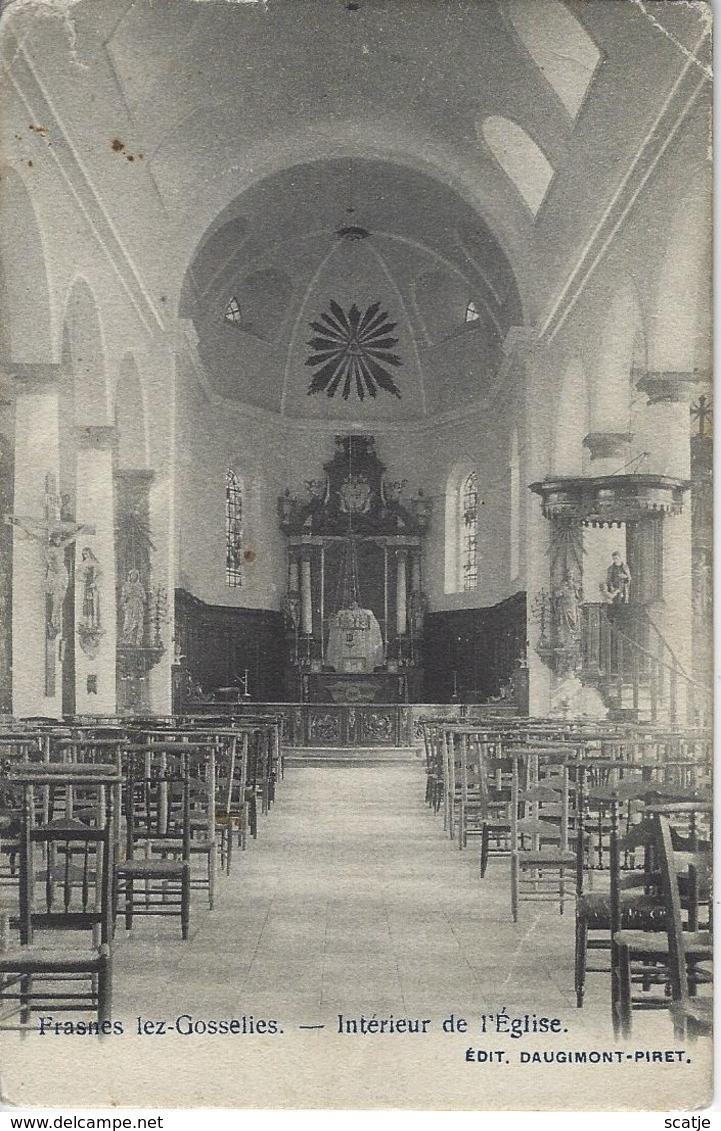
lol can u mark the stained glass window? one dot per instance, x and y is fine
(469, 532)
(232, 311)
(233, 530)
(472, 314)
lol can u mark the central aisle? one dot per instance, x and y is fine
(353, 900)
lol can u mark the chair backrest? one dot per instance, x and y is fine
(157, 796)
(66, 868)
(684, 883)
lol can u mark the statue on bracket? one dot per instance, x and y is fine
(132, 599)
(90, 630)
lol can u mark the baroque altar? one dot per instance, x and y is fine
(355, 605)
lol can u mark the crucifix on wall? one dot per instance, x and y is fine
(53, 533)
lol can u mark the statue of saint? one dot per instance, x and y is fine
(90, 574)
(132, 599)
(568, 603)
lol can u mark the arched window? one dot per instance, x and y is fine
(472, 314)
(520, 158)
(232, 311)
(560, 47)
(468, 532)
(233, 530)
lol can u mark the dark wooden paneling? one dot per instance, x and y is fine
(219, 643)
(480, 645)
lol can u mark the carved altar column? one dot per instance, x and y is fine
(37, 455)
(306, 595)
(401, 593)
(95, 574)
(416, 581)
(293, 577)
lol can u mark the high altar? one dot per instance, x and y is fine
(355, 606)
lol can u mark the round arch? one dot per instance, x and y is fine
(479, 184)
(29, 323)
(84, 338)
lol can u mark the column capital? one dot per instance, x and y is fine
(607, 445)
(670, 386)
(98, 436)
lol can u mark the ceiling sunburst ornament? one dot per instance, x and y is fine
(352, 350)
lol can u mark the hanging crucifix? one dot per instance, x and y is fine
(53, 533)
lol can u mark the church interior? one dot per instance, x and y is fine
(355, 479)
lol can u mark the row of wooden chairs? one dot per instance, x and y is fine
(573, 809)
(113, 818)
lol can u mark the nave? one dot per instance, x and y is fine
(353, 901)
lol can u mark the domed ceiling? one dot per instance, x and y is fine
(351, 289)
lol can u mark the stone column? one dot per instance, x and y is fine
(36, 456)
(306, 596)
(608, 452)
(667, 438)
(401, 593)
(95, 663)
(666, 428)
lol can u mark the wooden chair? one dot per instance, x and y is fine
(65, 884)
(231, 812)
(541, 858)
(158, 835)
(434, 764)
(645, 960)
(610, 833)
(497, 792)
(471, 800)
(692, 1014)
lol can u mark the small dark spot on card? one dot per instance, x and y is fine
(117, 145)
(249, 556)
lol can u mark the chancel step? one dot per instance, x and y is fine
(349, 755)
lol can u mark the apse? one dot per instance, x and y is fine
(362, 263)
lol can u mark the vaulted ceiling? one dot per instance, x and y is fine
(477, 142)
(351, 232)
